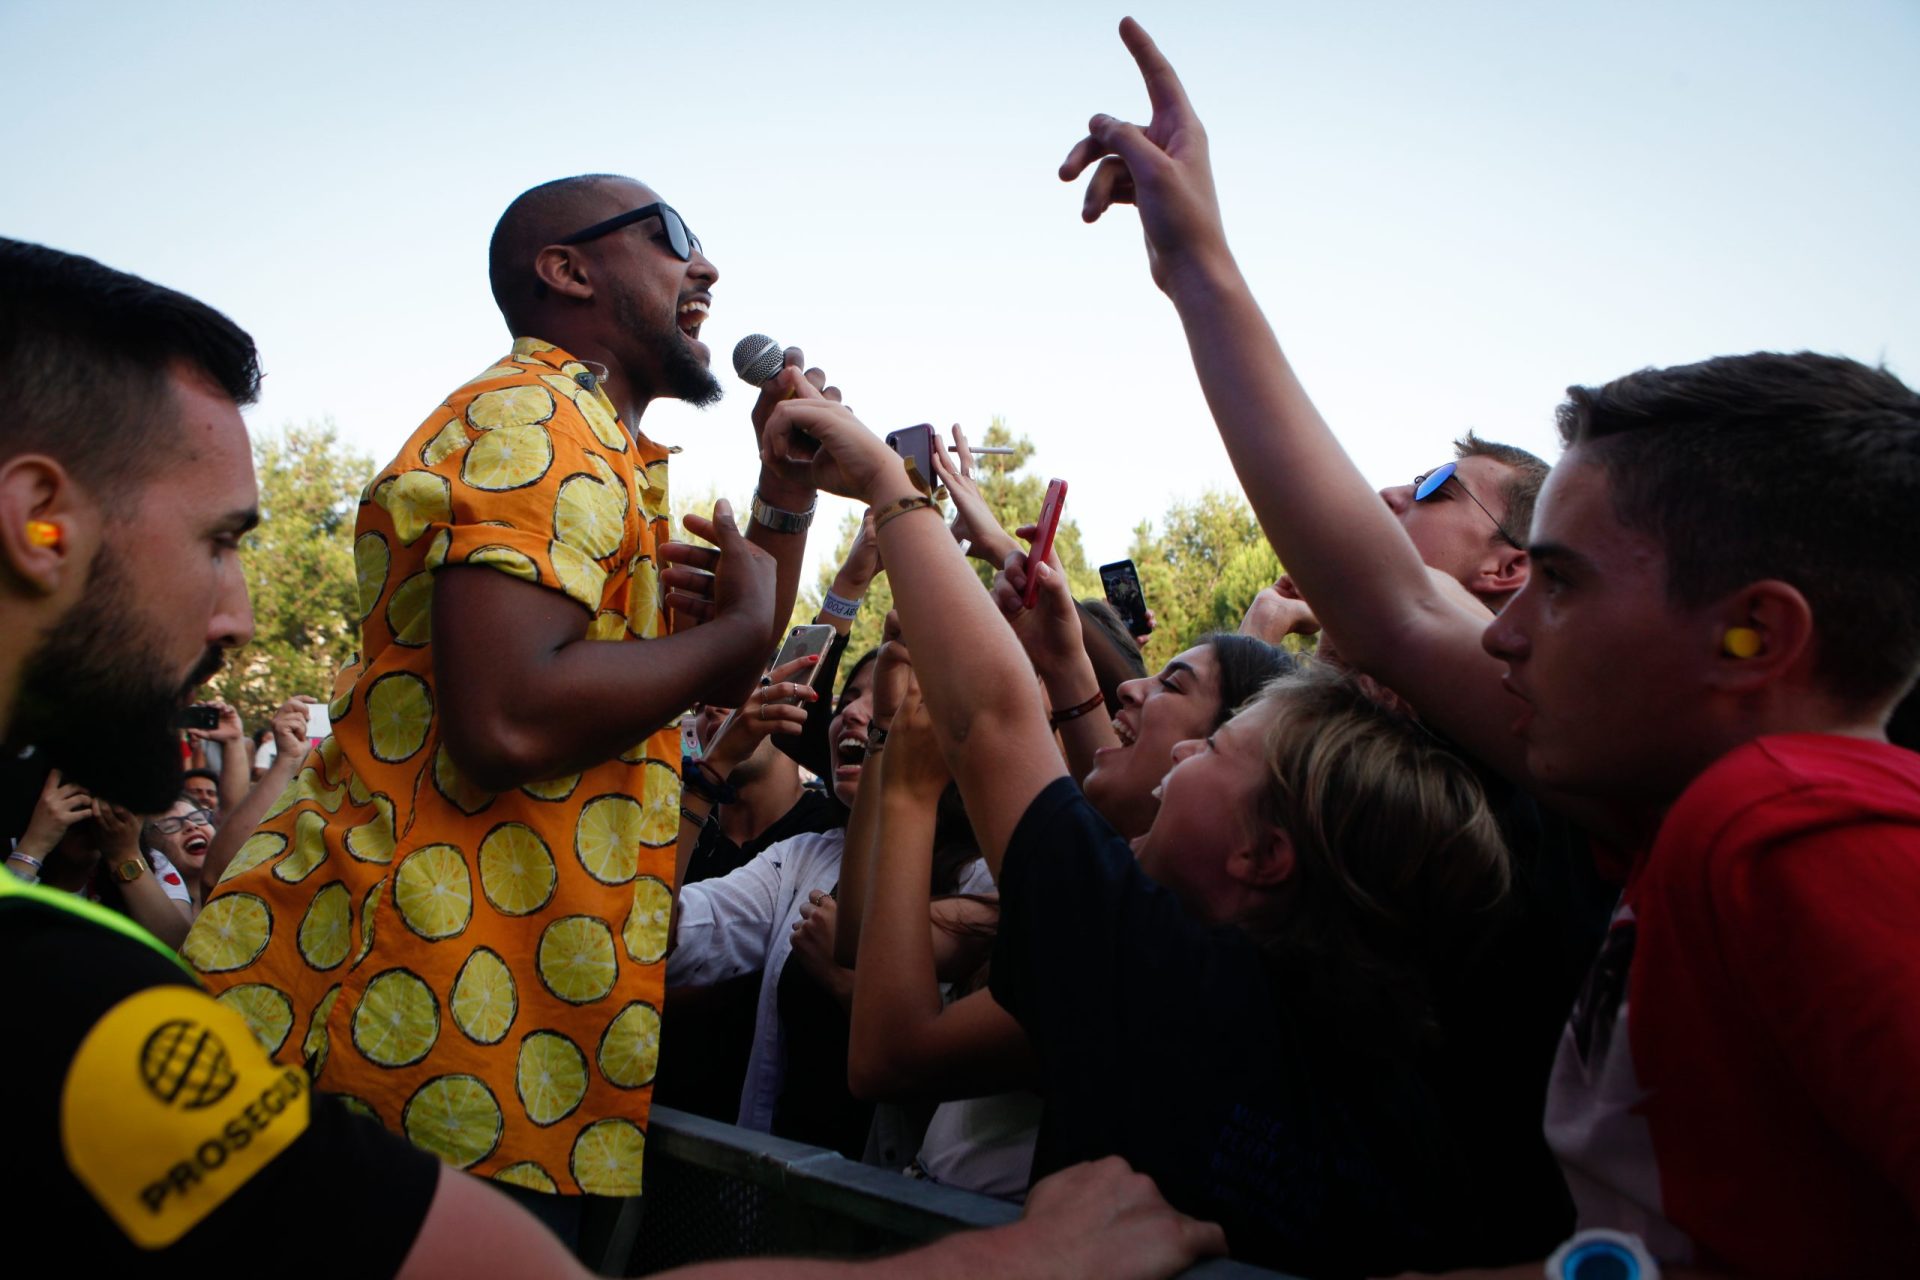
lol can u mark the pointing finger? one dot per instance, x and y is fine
(1164, 89)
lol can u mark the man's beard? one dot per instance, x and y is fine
(681, 374)
(99, 704)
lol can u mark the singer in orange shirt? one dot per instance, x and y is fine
(457, 915)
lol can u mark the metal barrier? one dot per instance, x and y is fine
(716, 1191)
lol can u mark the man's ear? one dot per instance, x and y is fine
(1502, 575)
(1758, 634)
(562, 268)
(1267, 862)
(48, 529)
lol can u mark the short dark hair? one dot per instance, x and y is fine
(538, 217)
(1247, 665)
(1522, 486)
(1804, 468)
(85, 352)
(208, 774)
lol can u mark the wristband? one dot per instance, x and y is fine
(838, 606)
(781, 521)
(29, 859)
(1059, 718)
(700, 778)
(899, 507)
(688, 815)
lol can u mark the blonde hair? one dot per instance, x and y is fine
(1398, 857)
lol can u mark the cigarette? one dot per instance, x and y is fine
(981, 448)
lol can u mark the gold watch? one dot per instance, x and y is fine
(130, 870)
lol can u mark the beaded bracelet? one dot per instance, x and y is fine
(899, 507)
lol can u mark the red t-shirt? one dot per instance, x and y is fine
(1740, 1081)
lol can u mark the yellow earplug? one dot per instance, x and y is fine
(1740, 642)
(43, 533)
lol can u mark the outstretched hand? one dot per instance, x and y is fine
(732, 578)
(821, 444)
(1163, 169)
(1050, 631)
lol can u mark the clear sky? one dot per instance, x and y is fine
(1450, 212)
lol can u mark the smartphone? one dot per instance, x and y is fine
(1042, 547)
(915, 447)
(198, 716)
(319, 723)
(1122, 584)
(810, 640)
(690, 745)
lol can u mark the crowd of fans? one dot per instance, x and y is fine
(1565, 883)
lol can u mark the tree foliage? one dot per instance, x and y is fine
(1201, 570)
(299, 568)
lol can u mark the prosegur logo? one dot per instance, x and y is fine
(186, 1065)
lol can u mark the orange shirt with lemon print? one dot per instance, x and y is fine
(481, 972)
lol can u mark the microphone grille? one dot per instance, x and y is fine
(757, 359)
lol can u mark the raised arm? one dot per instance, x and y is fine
(1338, 540)
(237, 826)
(906, 1042)
(978, 684)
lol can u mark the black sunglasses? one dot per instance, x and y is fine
(682, 241)
(1425, 486)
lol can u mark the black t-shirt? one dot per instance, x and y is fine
(709, 1032)
(815, 1105)
(1174, 1044)
(138, 1102)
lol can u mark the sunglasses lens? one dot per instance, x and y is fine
(677, 235)
(1432, 482)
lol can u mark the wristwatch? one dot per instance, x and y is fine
(781, 521)
(1600, 1254)
(130, 870)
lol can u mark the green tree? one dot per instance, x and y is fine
(1014, 497)
(1201, 570)
(299, 568)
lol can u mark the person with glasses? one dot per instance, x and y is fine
(497, 808)
(179, 840)
(1468, 517)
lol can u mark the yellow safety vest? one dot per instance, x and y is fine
(14, 890)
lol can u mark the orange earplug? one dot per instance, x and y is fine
(1740, 642)
(43, 533)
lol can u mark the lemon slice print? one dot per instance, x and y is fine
(659, 804)
(517, 874)
(587, 514)
(399, 714)
(454, 787)
(326, 931)
(338, 708)
(318, 1040)
(455, 1117)
(509, 458)
(524, 348)
(575, 960)
(550, 1077)
(484, 1002)
(599, 418)
(643, 599)
(606, 1158)
(529, 1175)
(370, 561)
(434, 891)
(553, 788)
(267, 1011)
(259, 847)
(410, 611)
(606, 838)
(357, 790)
(397, 1020)
(580, 577)
(438, 548)
(333, 764)
(496, 372)
(372, 840)
(507, 560)
(630, 1047)
(645, 932)
(510, 407)
(309, 849)
(369, 908)
(415, 500)
(444, 443)
(613, 480)
(359, 1107)
(608, 624)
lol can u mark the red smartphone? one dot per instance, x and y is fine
(1042, 547)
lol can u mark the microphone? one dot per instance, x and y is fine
(758, 359)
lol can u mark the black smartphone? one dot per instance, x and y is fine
(198, 717)
(915, 447)
(1122, 585)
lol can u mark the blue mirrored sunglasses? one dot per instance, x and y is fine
(1425, 486)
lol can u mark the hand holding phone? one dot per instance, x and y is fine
(1121, 581)
(915, 446)
(1043, 534)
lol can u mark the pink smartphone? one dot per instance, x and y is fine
(1042, 547)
